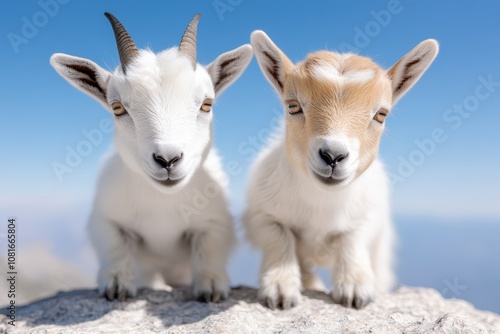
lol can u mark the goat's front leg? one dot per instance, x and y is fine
(114, 250)
(280, 283)
(352, 273)
(210, 252)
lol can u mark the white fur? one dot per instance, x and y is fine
(147, 233)
(299, 222)
(330, 73)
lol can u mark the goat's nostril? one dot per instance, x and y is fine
(326, 156)
(167, 164)
(329, 159)
(175, 159)
(339, 158)
(160, 160)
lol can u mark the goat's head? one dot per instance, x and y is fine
(162, 103)
(336, 105)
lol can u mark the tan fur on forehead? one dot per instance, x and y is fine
(343, 62)
(326, 98)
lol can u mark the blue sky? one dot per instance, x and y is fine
(41, 115)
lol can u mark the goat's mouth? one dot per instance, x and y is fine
(168, 182)
(330, 180)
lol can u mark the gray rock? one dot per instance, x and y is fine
(407, 310)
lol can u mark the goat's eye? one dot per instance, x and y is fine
(294, 107)
(381, 115)
(118, 108)
(207, 105)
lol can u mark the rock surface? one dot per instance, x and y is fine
(407, 310)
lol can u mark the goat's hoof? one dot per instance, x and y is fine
(353, 296)
(280, 298)
(282, 302)
(211, 290)
(116, 290)
(210, 296)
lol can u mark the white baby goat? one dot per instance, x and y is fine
(317, 194)
(160, 214)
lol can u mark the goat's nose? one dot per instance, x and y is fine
(167, 162)
(330, 158)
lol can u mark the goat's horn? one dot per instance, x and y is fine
(188, 41)
(126, 46)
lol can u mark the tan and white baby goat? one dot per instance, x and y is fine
(317, 194)
(146, 224)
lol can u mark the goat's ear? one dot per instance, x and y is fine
(228, 67)
(84, 74)
(272, 61)
(406, 72)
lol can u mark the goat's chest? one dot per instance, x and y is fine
(161, 228)
(157, 222)
(316, 220)
(314, 214)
